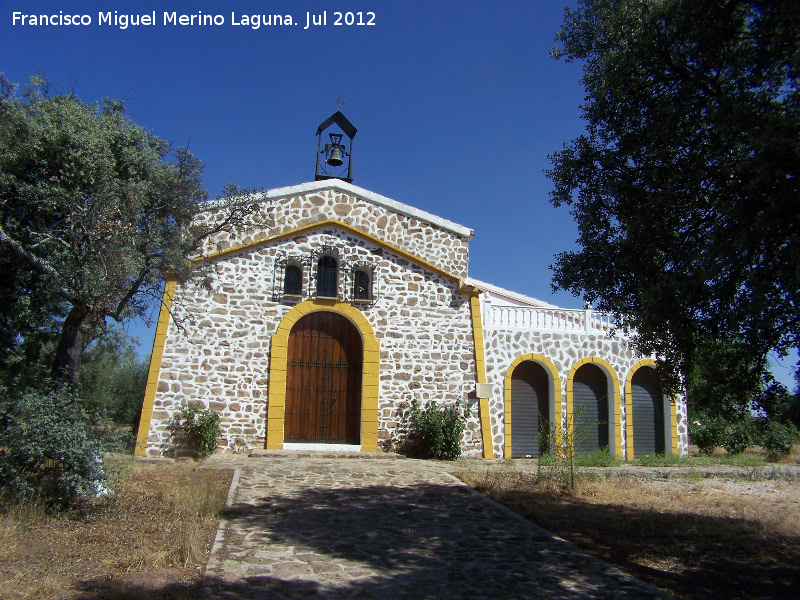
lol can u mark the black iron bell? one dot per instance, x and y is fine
(335, 159)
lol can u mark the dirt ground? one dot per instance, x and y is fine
(695, 537)
(698, 538)
(154, 534)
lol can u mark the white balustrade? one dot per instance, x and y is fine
(548, 319)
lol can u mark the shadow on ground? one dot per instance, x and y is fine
(420, 542)
(693, 557)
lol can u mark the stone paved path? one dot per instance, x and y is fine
(330, 528)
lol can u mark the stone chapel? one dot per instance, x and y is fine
(334, 306)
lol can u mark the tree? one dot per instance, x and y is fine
(685, 185)
(93, 209)
(113, 379)
(30, 318)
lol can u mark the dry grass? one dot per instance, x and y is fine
(151, 539)
(695, 538)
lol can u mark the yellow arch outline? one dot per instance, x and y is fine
(556, 383)
(606, 366)
(370, 382)
(673, 408)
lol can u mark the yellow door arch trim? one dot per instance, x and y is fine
(673, 410)
(555, 391)
(616, 413)
(276, 404)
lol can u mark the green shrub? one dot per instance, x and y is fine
(778, 438)
(436, 433)
(200, 428)
(740, 435)
(707, 432)
(48, 448)
(597, 458)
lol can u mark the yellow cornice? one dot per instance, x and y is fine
(462, 289)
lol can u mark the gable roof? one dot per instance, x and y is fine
(363, 194)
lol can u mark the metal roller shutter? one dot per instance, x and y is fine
(590, 407)
(529, 399)
(648, 412)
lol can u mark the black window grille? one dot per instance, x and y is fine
(293, 281)
(361, 286)
(295, 277)
(327, 277)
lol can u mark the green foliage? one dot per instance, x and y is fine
(740, 435)
(113, 379)
(434, 432)
(47, 448)
(685, 185)
(93, 209)
(29, 325)
(597, 458)
(726, 380)
(707, 432)
(200, 427)
(779, 438)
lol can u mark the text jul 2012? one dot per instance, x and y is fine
(123, 21)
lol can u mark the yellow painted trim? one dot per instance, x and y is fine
(486, 428)
(480, 376)
(477, 336)
(673, 417)
(617, 415)
(370, 381)
(339, 224)
(647, 362)
(170, 283)
(556, 382)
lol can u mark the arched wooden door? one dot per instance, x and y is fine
(647, 404)
(323, 381)
(590, 408)
(530, 408)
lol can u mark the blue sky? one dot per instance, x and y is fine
(457, 103)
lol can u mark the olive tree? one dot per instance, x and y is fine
(94, 208)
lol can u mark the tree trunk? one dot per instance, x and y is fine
(74, 337)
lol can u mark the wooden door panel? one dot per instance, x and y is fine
(323, 381)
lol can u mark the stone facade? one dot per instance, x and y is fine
(215, 347)
(565, 343)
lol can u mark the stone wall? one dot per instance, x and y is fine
(431, 240)
(218, 342)
(217, 349)
(564, 349)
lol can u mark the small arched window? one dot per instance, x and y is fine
(327, 277)
(293, 280)
(362, 289)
